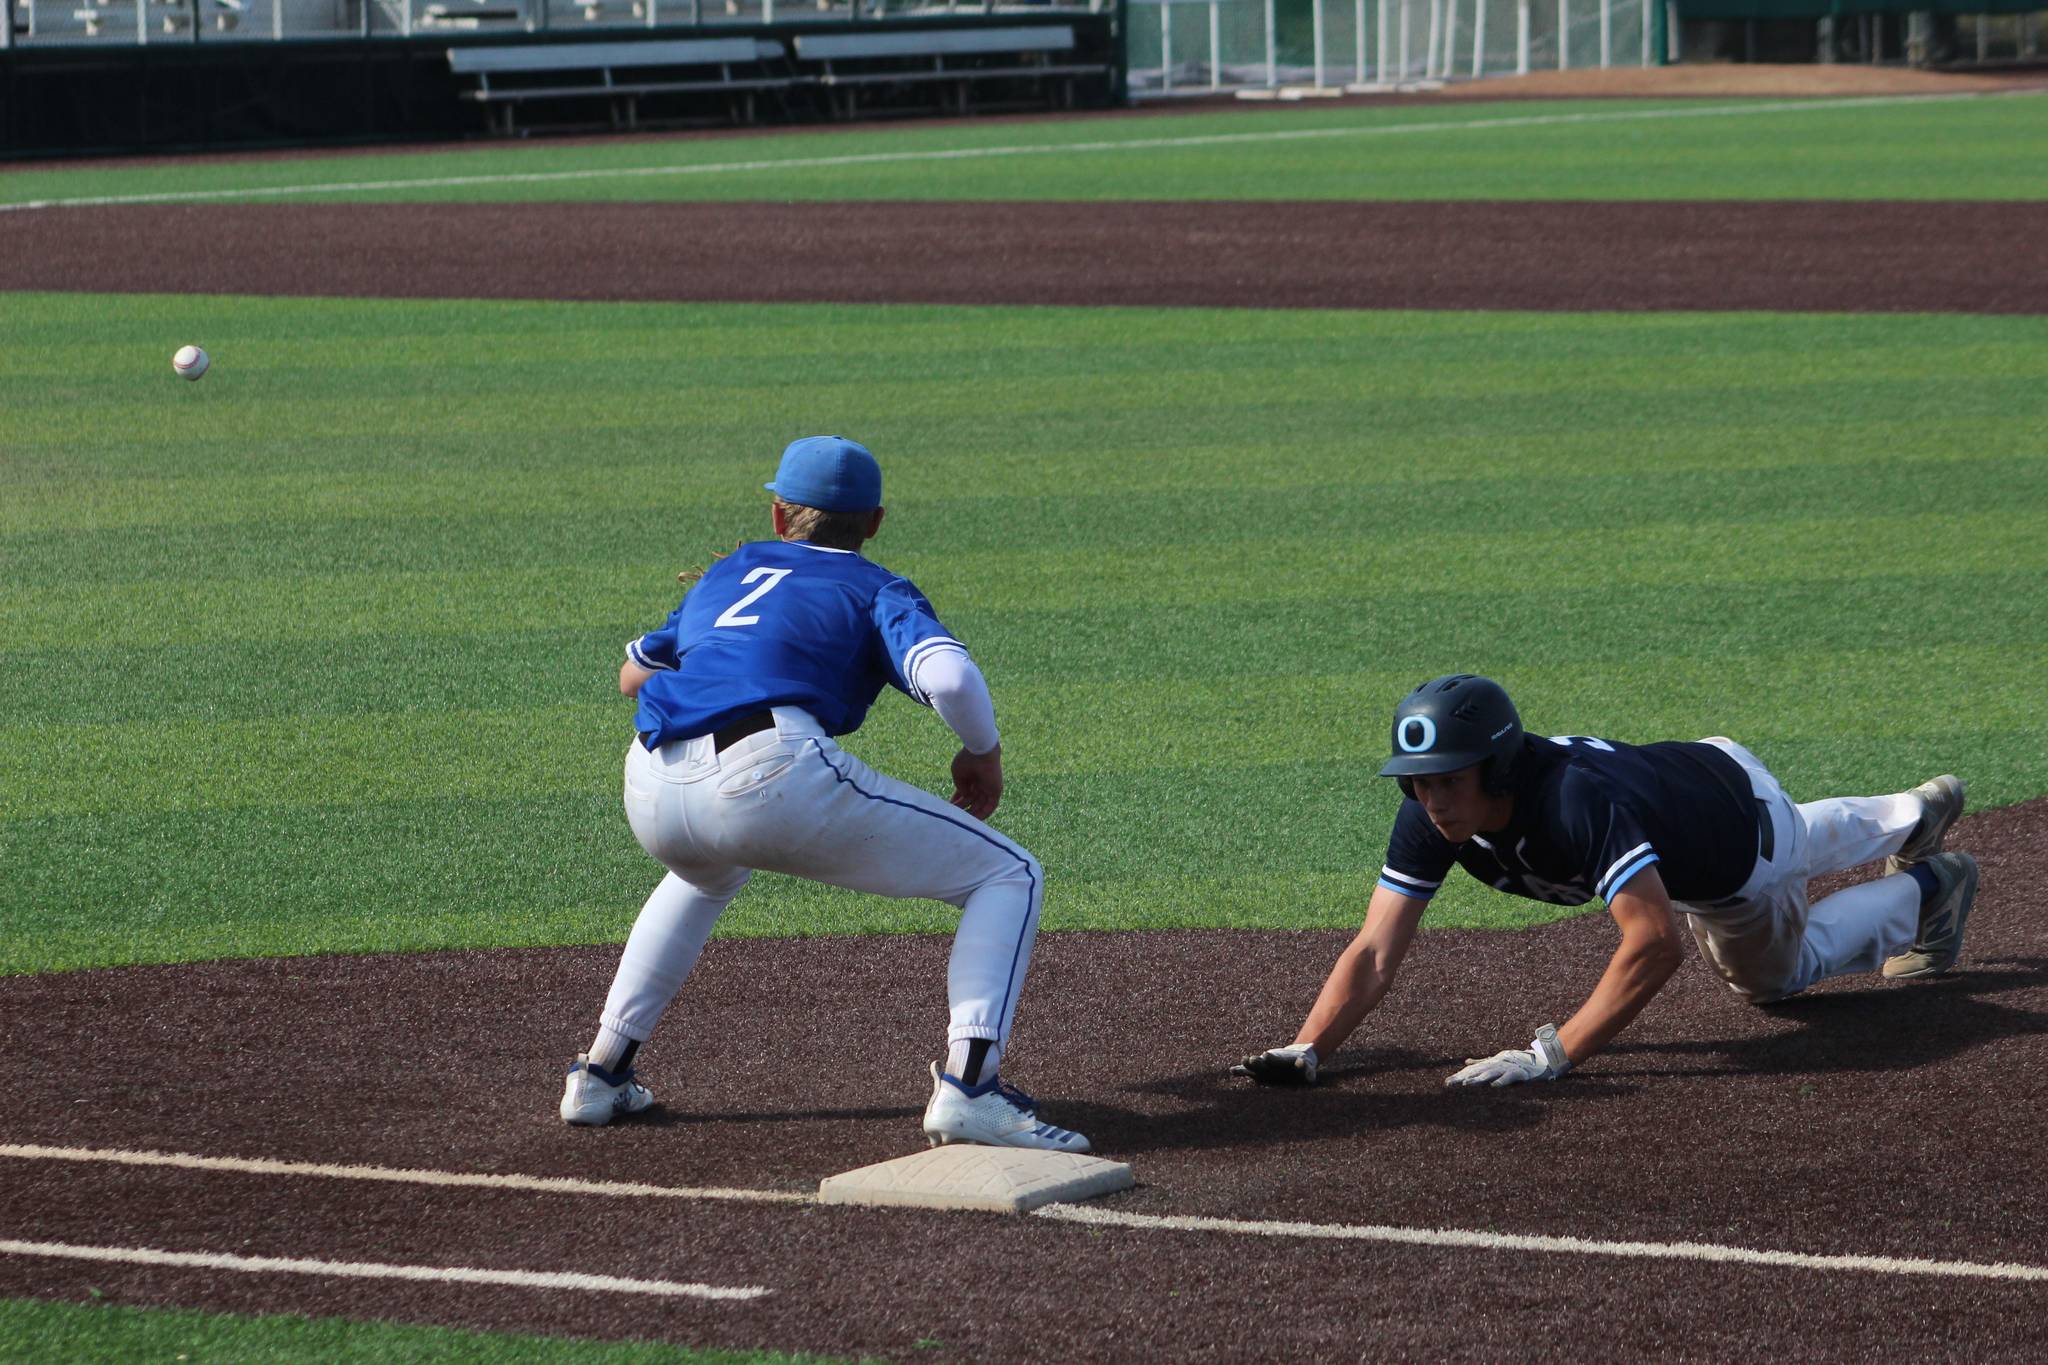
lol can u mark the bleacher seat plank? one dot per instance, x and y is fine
(833, 47)
(469, 61)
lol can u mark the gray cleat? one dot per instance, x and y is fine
(1941, 800)
(1940, 939)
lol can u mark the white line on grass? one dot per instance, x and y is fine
(548, 1184)
(976, 153)
(1445, 1238)
(1580, 1246)
(373, 1270)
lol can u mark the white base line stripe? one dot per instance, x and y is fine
(977, 153)
(258, 1166)
(1496, 1241)
(1071, 1213)
(371, 1270)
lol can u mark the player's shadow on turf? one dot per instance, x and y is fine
(1219, 1110)
(1874, 1028)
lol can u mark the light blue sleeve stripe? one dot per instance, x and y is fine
(1390, 873)
(1620, 879)
(1410, 892)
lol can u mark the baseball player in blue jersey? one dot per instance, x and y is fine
(1700, 830)
(776, 649)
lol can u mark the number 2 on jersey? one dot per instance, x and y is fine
(731, 615)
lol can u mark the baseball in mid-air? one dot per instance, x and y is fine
(190, 362)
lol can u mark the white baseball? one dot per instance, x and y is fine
(190, 362)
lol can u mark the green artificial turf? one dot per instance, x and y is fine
(1892, 147)
(319, 654)
(41, 1331)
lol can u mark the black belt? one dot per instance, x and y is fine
(737, 729)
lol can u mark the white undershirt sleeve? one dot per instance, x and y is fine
(949, 680)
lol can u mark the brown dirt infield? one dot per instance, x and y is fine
(1868, 1117)
(1577, 256)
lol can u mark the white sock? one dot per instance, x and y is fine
(961, 1049)
(610, 1048)
(666, 941)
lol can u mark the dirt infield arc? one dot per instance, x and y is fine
(1868, 1117)
(1865, 257)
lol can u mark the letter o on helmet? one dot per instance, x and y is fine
(1415, 734)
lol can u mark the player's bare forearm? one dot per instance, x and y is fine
(631, 677)
(1355, 986)
(1651, 949)
(1364, 971)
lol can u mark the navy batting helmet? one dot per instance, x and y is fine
(1455, 722)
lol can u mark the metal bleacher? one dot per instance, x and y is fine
(111, 75)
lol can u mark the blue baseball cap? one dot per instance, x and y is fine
(830, 473)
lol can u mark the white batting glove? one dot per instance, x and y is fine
(1542, 1060)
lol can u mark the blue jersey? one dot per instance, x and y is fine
(1590, 814)
(781, 623)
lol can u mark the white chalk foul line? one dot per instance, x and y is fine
(258, 1166)
(1706, 1252)
(1034, 149)
(1452, 1238)
(373, 1270)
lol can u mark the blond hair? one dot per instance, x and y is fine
(834, 530)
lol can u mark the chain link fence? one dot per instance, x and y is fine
(1193, 46)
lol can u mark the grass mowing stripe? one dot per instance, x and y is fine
(43, 1330)
(1258, 845)
(726, 345)
(87, 499)
(991, 526)
(238, 408)
(145, 884)
(1193, 723)
(1217, 156)
(1139, 382)
(1313, 628)
(417, 636)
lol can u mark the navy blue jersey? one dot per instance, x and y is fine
(783, 623)
(1590, 814)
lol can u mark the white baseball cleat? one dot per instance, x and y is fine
(992, 1114)
(594, 1096)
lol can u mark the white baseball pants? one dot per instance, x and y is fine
(791, 800)
(1765, 940)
